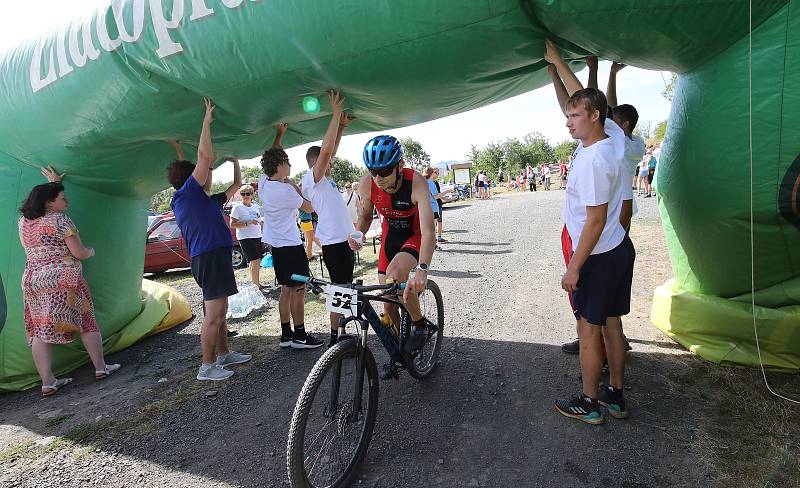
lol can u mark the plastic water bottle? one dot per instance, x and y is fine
(248, 299)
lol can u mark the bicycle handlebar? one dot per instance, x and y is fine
(361, 288)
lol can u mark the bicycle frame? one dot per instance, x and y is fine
(365, 316)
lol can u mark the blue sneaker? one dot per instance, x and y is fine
(614, 402)
(582, 408)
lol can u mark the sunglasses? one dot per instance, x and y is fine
(383, 173)
(246, 194)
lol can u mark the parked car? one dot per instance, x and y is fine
(166, 248)
(451, 197)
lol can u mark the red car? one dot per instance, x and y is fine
(166, 248)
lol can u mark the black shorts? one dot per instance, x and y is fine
(340, 261)
(213, 271)
(252, 249)
(604, 284)
(437, 216)
(289, 260)
(650, 174)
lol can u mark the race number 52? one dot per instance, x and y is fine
(342, 300)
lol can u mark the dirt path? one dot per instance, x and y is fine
(485, 418)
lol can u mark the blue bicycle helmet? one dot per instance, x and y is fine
(382, 152)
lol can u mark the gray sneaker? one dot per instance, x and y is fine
(213, 372)
(233, 357)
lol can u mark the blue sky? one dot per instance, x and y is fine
(444, 139)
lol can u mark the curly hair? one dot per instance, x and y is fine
(271, 159)
(178, 172)
(35, 205)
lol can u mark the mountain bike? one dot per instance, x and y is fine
(335, 413)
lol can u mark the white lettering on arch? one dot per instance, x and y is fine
(82, 49)
(37, 82)
(200, 10)
(162, 26)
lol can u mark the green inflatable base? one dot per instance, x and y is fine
(162, 307)
(721, 330)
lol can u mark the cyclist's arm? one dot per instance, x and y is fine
(420, 195)
(365, 207)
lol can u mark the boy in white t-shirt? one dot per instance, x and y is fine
(335, 224)
(600, 269)
(280, 200)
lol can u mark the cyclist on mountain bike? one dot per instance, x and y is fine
(402, 197)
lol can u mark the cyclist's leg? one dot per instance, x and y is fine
(399, 268)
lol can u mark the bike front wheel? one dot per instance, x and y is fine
(431, 305)
(328, 435)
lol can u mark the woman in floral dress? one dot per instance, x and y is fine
(57, 299)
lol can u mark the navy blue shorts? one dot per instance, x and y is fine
(213, 271)
(604, 284)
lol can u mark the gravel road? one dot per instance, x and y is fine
(484, 418)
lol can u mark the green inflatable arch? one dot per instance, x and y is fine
(98, 96)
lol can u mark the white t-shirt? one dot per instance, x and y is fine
(334, 219)
(242, 212)
(597, 176)
(634, 152)
(620, 142)
(352, 204)
(279, 204)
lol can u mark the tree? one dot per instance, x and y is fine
(414, 155)
(564, 149)
(644, 129)
(669, 88)
(299, 177)
(537, 149)
(660, 131)
(161, 200)
(343, 171)
(251, 174)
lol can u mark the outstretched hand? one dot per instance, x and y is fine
(551, 54)
(345, 120)
(616, 67)
(209, 109)
(51, 174)
(591, 62)
(336, 100)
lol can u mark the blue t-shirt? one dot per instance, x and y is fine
(433, 191)
(200, 219)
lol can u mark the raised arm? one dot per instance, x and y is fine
(611, 91)
(280, 130)
(331, 135)
(552, 56)
(561, 92)
(237, 178)
(591, 63)
(344, 121)
(205, 151)
(178, 149)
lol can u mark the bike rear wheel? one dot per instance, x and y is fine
(327, 439)
(431, 304)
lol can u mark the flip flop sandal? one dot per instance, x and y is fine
(49, 390)
(105, 373)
